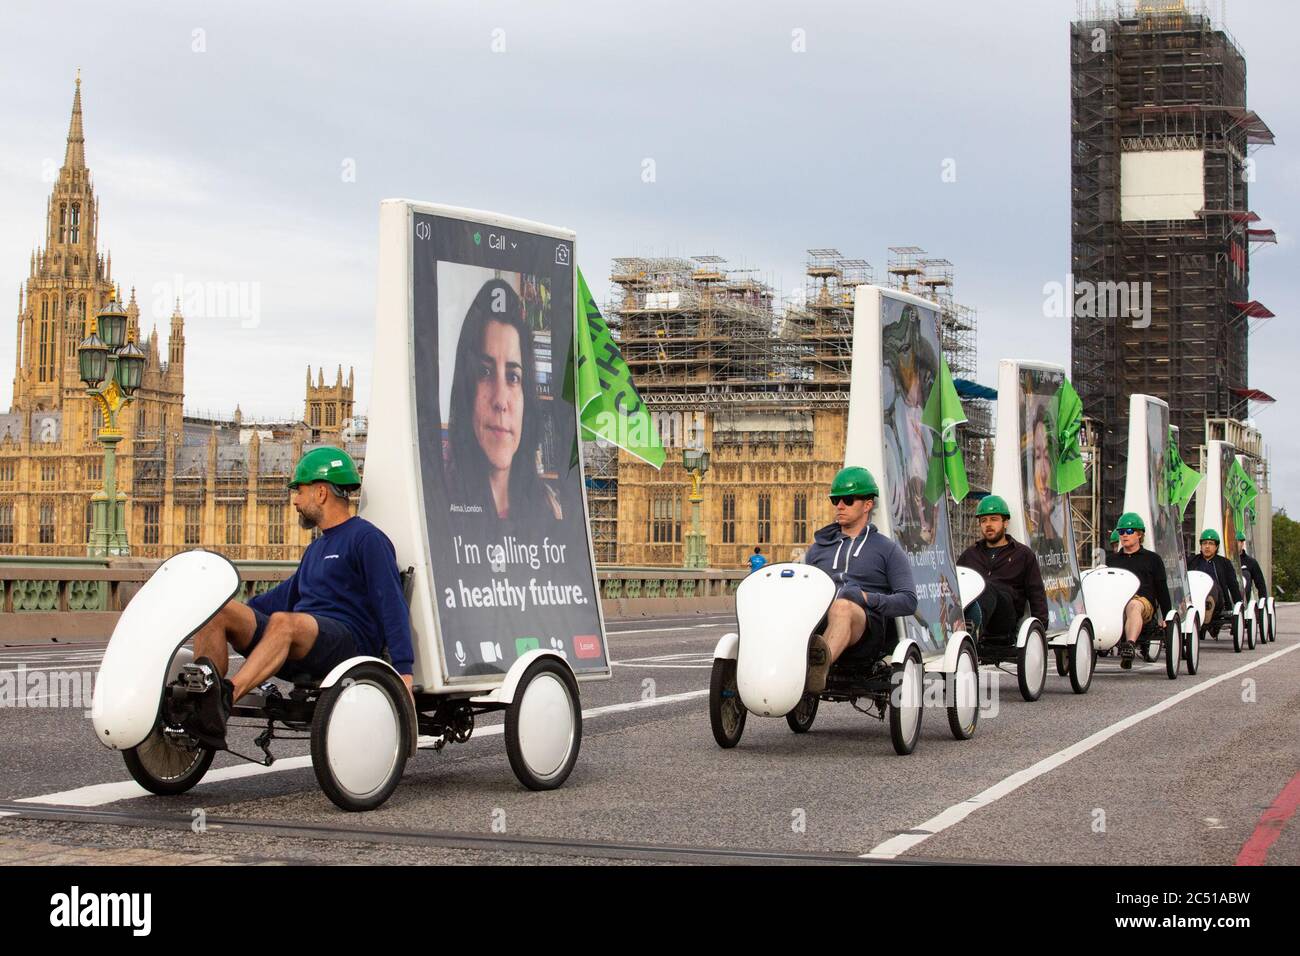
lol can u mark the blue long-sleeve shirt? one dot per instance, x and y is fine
(350, 574)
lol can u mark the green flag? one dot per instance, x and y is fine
(1065, 421)
(942, 414)
(1240, 491)
(1180, 478)
(608, 403)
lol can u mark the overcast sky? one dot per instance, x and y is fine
(251, 143)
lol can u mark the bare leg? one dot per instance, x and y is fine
(288, 636)
(232, 625)
(845, 624)
(1132, 620)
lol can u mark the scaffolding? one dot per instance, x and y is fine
(701, 337)
(600, 474)
(1085, 502)
(1158, 76)
(693, 328)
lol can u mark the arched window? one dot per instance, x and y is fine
(43, 358)
(76, 223)
(63, 221)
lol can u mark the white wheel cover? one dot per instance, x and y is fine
(1035, 662)
(545, 725)
(967, 680)
(1083, 655)
(363, 738)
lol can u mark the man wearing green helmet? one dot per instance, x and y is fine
(1010, 570)
(1153, 587)
(344, 599)
(873, 575)
(1220, 571)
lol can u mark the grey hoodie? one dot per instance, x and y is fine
(871, 562)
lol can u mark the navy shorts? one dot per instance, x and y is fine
(334, 644)
(879, 637)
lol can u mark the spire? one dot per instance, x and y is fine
(75, 157)
(338, 382)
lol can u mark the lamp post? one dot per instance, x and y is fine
(696, 463)
(106, 355)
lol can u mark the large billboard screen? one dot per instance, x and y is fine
(492, 326)
(1164, 536)
(1046, 513)
(910, 355)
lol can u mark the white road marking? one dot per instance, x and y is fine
(895, 846)
(99, 794)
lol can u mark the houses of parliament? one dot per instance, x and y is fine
(188, 482)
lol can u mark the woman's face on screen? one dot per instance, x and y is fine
(499, 394)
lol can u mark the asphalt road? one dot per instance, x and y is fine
(1141, 770)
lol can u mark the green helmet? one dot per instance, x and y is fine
(993, 505)
(1209, 534)
(1131, 519)
(327, 464)
(854, 480)
(1241, 536)
(1114, 537)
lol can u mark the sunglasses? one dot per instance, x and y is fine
(1127, 530)
(847, 499)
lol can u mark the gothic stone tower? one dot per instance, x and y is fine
(50, 461)
(329, 407)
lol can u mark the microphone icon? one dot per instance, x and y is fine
(460, 654)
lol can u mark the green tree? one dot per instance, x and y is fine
(1286, 556)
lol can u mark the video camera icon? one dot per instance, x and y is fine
(561, 255)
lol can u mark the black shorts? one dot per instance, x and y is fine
(334, 644)
(878, 638)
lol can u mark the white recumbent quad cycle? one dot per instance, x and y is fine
(362, 723)
(1179, 639)
(763, 668)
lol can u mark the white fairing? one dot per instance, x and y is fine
(777, 608)
(176, 601)
(1199, 584)
(970, 584)
(504, 693)
(727, 647)
(364, 738)
(1105, 593)
(1022, 635)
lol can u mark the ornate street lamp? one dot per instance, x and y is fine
(112, 325)
(105, 355)
(92, 359)
(130, 368)
(696, 463)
